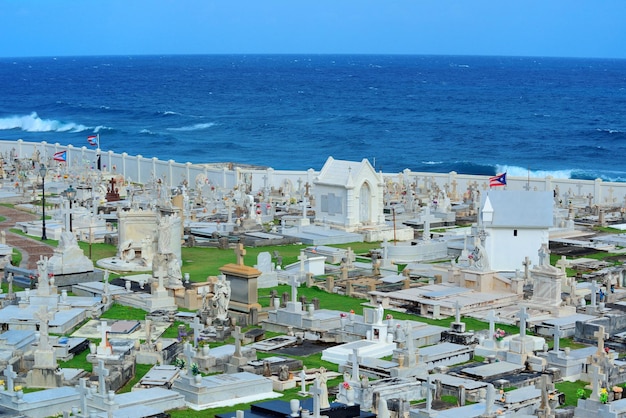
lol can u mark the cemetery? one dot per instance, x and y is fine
(254, 293)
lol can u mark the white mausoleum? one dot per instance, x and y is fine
(517, 224)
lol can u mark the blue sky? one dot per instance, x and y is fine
(565, 28)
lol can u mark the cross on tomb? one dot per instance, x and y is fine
(10, 375)
(238, 336)
(457, 311)
(44, 316)
(490, 399)
(595, 381)
(355, 364)
(240, 251)
(557, 336)
(600, 335)
(594, 289)
(103, 372)
(294, 289)
(197, 327)
(160, 275)
(526, 263)
(492, 323)
(316, 391)
(85, 393)
(430, 386)
(189, 353)
(523, 316)
(104, 333)
(302, 257)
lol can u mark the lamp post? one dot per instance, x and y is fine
(42, 171)
(70, 192)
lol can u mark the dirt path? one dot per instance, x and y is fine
(30, 248)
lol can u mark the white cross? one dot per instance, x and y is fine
(457, 311)
(238, 337)
(355, 364)
(10, 375)
(594, 289)
(316, 391)
(557, 338)
(84, 394)
(595, 382)
(189, 353)
(492, 323)
(429, 394)
(197, 327)
(523, 316)
(104, 330)
(44, 316)
(600, 335)
(102, 374)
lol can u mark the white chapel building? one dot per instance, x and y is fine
(516, 223)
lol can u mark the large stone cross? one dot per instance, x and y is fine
(457, 312)
(600, 335)
(523, 316)
(44, 316)
(103, 372)
(238, 336)
(492, 323)
(10, 375)
(240, 251)
(594, 289)
(316, 391)
(104, 333)
(85, 393)
(294, 288)
(557, 338)
(160, 275)
(595, 381)
(189, 353)
(197, 327)
(430, 386)
(355, 364)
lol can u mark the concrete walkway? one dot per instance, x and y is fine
(30, 248)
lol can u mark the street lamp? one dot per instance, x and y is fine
(42, 171)
(70, 193)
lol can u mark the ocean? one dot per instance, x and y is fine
(473, 115)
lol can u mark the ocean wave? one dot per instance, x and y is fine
(609, 131)
(169, 113)
(432, 162)
(195, 127)
(515, 171)
(33, 123)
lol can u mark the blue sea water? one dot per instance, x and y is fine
(474, 115)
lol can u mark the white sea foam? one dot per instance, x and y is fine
(196, 127)
(432, 162)
(33, 123)
(513, 171)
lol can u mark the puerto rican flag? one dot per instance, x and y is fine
(499, 180)
(93, 140)
(60, 156)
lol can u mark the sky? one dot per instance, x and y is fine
(559, 28)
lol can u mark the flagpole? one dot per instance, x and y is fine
(98, 152)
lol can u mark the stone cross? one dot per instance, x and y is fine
(457, 312)
(594, 289)
(490, 399)
(526, 263)
(600, 335)
(523, 316)
(302, 257)
(429, 394)
(197, 327)
(148, 325)
(10, 282)
(355, 364)
(160, 274)
(189, 353)
(492, 323)
(44, 316)
(595, 381)
(557, 338)
(104, 333)
(294, 289)
(238, 336)
(316, 391)
(240, 251)
(10, 375)
(409, 343)
(103, 372)
(303, 380)
(85, 393)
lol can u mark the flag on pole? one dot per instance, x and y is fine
(60, 156)
(93, 140)
(499, 180)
